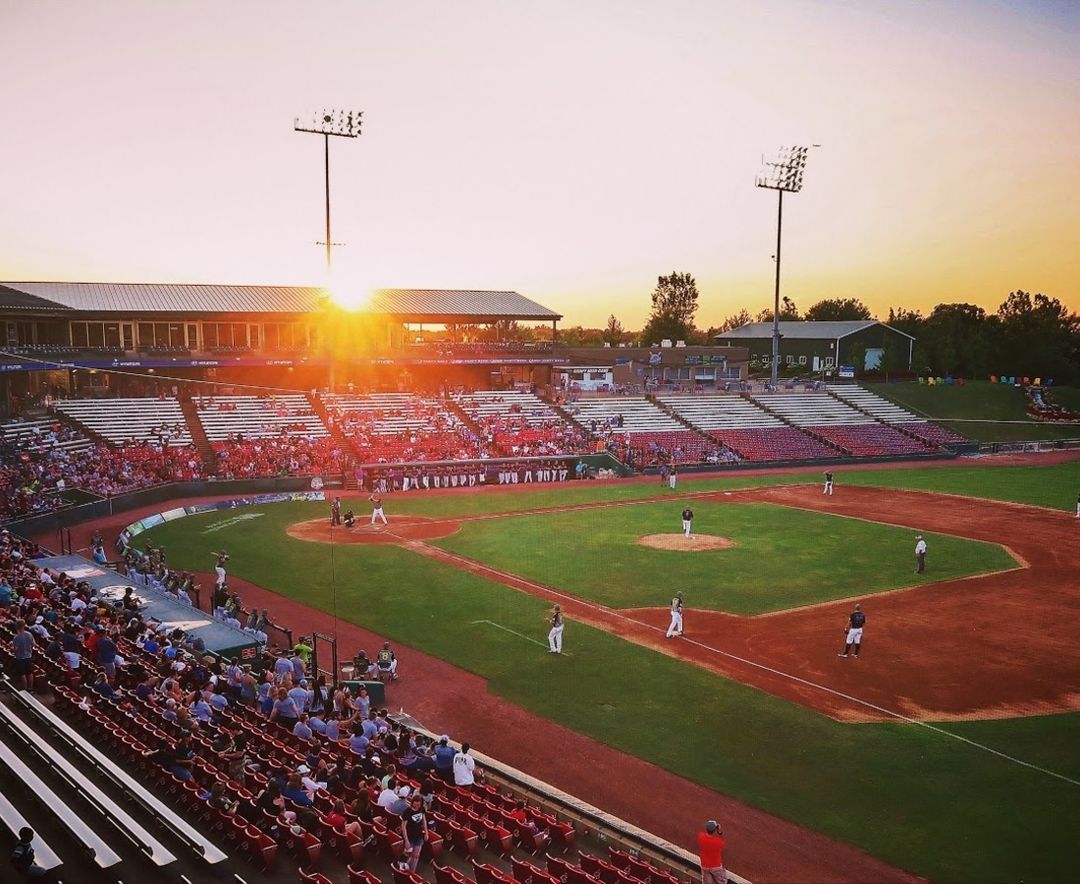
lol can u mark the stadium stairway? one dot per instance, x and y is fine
(463, 416)
(319, 407)
(198, 435)
(75, 424)
(682, 420)
(840, 450)
(566, 415)
(899, 427)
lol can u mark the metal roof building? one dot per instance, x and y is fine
(804, 331)
(408, 305)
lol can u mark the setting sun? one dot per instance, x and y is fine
(351, 296)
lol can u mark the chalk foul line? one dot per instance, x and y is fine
(515, 632)
(495, 573)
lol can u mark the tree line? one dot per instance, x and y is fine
(1028, 335)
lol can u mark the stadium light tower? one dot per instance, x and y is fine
(784, 174)
(343, 124)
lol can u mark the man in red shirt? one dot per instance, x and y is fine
(711, 854)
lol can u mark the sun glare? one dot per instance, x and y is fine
(351, 296)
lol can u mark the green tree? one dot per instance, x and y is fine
(734, 321)
(674, 303)
(838, 309)
(576, 336)
(856, 356)
(958, 339)
(887, 361)
(614, 333)
(1038, 337)
(788, 311)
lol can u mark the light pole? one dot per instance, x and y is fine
(784, 175)
(344, 124)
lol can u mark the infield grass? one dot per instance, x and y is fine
(912, 796)
(782, 558)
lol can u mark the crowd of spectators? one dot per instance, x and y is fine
(275, 743)
(34, 482)
(282, 455)
(1041, 406)
(422, 431)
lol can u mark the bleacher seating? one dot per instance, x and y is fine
(762, 444)
(641, 425)
(40, 435)
(891, 413)
(851, 430)
(522, 424)
(253, 417)
(403, 427)
(125, 420)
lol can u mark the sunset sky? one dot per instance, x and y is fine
(572, 150)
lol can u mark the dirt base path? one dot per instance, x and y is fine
(971, 648)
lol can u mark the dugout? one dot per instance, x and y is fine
(219, 638)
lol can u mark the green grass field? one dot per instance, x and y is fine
(913, 797)
(982, 411)
(782, 557)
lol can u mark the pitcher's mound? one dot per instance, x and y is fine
(400, 530)
(679, 543)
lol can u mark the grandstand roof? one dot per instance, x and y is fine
(809, 331)
(417, 305)
(442, 305)
(116, 297)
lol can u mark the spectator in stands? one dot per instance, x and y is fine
(444, 759)
(414, 830)
(22, 857)
(294, 790)
(22, 646)
(711, 854)
(464, 768)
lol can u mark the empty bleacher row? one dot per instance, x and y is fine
(253, 417)
(119, 421)
(891, 413)
(649, 431)
(41, 435)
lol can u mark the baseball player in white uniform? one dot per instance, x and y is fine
(556, 631)
(920, 554)
(219, 569)
(376, 508)
(676, 627)
(828, 483)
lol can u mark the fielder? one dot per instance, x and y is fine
(676, 627)
(219, 569)
(556, 631)
(853, 632)
(1078, 504)
(376, 508)
(687, 521)
(828, 483)
(920, 554)
(673, 477)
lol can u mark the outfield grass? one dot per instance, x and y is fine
(904, 793)
(782, 557)
(977, 408)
